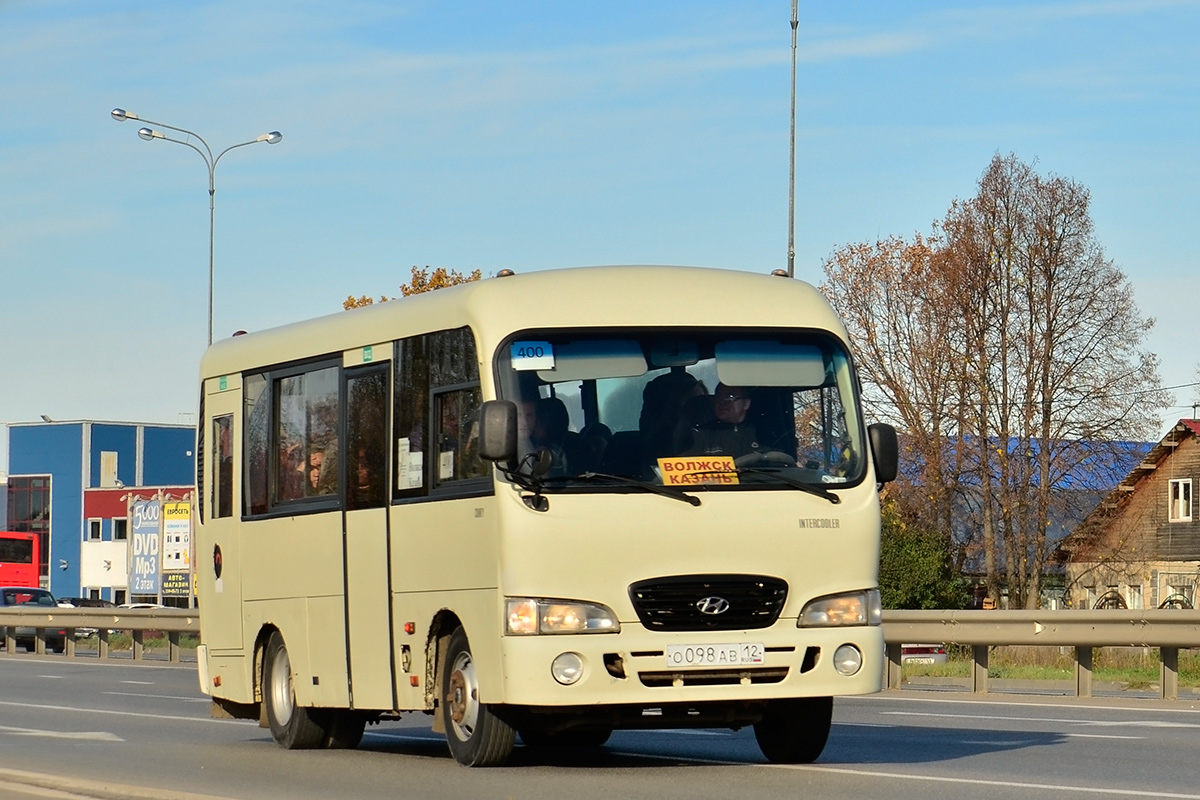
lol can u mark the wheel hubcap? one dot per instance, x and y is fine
(281, 687)
(462, 696)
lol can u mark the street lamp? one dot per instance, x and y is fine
(210, 161)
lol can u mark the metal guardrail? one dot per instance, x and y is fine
(47, 622)
(1169, 630)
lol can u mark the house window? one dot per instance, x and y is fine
(1135, 596)
(93, 530)
(120, 529)
(1181, 500)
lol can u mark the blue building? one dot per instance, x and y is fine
(70, 482)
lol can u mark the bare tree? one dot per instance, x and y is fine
(1019, 346)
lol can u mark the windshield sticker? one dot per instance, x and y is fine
(690, 470)
(531, 355)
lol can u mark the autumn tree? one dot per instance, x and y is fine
(891, 295)
(1017, 353)
(423, 280)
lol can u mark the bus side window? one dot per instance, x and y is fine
(256, 425)
(222, 502)
(433, 440)
(366, 439)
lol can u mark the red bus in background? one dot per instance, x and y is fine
(19, 559)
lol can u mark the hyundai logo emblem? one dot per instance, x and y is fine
(712, 605)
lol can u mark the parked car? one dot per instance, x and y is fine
(41, 598)
(922, 654)
(85, 602)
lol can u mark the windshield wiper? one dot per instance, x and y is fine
(655, 488)
(777, 472)
(535, 479)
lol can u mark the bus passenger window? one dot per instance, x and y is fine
(222, 505)
(458, 436)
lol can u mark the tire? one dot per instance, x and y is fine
(294, 727)
(574, 737)
(476, 736)
(794, 731)
(345, 730)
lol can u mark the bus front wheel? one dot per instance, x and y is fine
(476, 736)
(794, 731)
(294, 727)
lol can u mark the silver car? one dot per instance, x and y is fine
(41, 598)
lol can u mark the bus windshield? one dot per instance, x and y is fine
(704, 408)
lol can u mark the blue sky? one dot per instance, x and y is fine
(530, 135)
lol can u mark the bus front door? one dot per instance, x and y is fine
(218, 549)
(369, 650)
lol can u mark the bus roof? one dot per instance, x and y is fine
(584, 297)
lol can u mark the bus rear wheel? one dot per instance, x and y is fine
(794, 731)
(294, 727)
(476, 736)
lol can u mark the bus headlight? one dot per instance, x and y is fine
(530, 615)
(853, 608)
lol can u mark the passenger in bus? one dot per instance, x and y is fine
(315, 460)
(550, 431)
(292, 471)
(662, 407)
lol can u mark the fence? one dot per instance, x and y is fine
(1169, 630)
(55, 627)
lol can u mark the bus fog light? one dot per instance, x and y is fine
(847, 660)
(567, 668)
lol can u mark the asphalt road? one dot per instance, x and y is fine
(121, 730)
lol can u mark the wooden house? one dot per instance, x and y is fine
(1140, 547)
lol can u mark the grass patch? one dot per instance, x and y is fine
(124, 641)
(1136, 667)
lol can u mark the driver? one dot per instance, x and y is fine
(727, 433)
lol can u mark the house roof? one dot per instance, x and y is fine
(1183, 429)
(1154, 458)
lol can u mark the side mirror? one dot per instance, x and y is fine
(885, 451)
(498, 430)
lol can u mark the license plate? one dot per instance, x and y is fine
(714, 655)
(918, 660)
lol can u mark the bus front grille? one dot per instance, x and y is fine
(708, 602)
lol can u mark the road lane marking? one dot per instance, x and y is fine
(1142, 723)
(98, 736)
(172, 717)
(160, 697)
(1058, 787)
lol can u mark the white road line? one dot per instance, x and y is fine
(1139, 723)
(1103, 790)
(161, 697)
(98, 736)
(77, 710)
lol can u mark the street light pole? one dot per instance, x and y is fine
(210, 161)
(791, 253)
